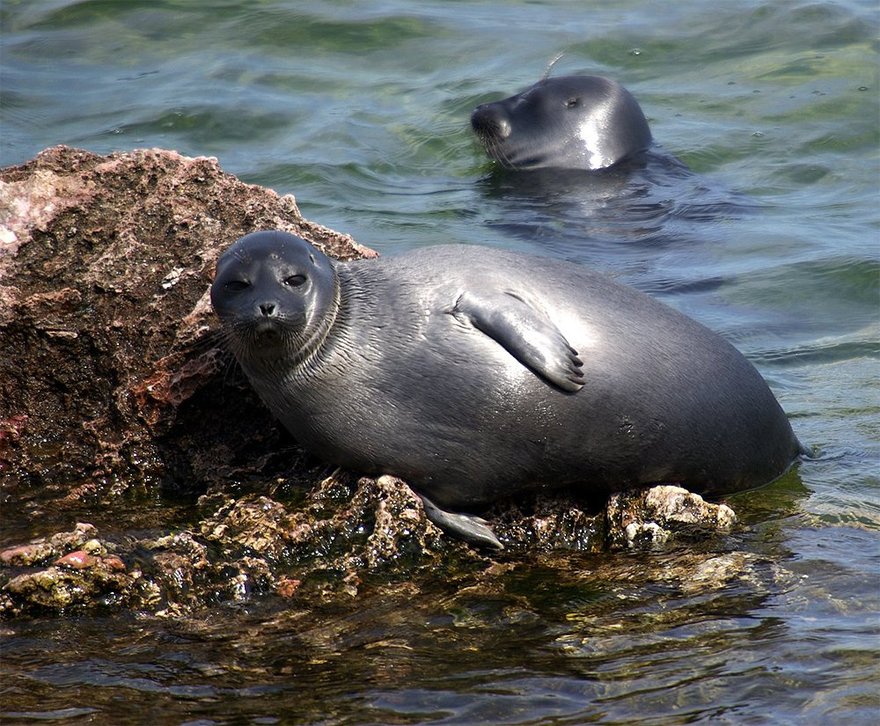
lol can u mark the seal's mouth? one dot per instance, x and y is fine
(516, 158)
(497, 150)
(510, 151)
(260, 333)
(267, 332)
(493, 130)
(266, 327)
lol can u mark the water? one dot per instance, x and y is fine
(360, 110)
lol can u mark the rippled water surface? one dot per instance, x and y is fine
(360, 109)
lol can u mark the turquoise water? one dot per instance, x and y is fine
(360, 109)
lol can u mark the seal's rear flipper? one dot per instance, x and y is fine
(467, 526)
(527, 333)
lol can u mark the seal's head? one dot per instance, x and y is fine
(569, 122)
(277, 297)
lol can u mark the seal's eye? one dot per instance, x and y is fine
(295, 280)
(573, 103)
(237, 285)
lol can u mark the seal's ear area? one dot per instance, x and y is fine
(526, 333)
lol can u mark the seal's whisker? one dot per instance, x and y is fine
(552, 63)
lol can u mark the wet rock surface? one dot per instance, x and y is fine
(106, 325)
(138, 469)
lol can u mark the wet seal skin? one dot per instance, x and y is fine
(566, 122)
(477, 374)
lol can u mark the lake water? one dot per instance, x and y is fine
(360, 109)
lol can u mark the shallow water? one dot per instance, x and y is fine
(360, 110)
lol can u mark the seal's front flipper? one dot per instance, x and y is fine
(467, 526)
(527, 333)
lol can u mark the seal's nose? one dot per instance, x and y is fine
(268, 309)
(488, 121)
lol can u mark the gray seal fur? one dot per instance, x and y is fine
(571, 122)
(477, 374)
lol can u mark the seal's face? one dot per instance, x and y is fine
(572, 122)
(273, 292)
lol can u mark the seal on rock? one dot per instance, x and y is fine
(570, 122)
(476, 374)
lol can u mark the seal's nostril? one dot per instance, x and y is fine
(489, 121)
(268, 310)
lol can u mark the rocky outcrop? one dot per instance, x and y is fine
(118, 400)
(106, 326)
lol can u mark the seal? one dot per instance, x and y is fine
(477, 374)
(569, 122)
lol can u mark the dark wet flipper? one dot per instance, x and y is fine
(527, 333)
(467, 526)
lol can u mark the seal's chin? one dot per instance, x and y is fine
(261, 334)
(520, 159)
(268, 335)
(528, 162)
(266, 328)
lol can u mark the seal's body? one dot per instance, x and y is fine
(567, 122)
(476, 374)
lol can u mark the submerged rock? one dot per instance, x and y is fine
(345, 532)
(116, 396)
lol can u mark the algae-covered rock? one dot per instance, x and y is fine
(47, 548)
(649, 517)
(82, 571)
(116, 396)
(346, 531)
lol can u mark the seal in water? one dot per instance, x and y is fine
(570, 122)
(476, 374)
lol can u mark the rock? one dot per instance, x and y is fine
(115, 391)
(75, 582)
(105, 324)
(549, 523)
(646, 518)
(46, 548)
(78, 560)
